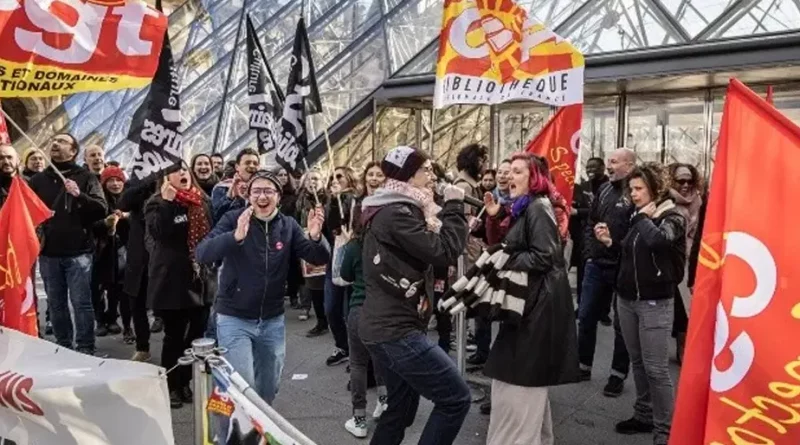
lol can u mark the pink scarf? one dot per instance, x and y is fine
(423, 196)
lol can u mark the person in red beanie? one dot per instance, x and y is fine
(111, 237)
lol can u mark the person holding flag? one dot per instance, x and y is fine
(66, 257)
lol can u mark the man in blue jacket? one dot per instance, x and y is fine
(255, 245)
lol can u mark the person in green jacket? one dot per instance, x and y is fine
(352, 272)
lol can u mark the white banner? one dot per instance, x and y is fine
(50, 395)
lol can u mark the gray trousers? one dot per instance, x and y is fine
(359, 363)
(646, 327)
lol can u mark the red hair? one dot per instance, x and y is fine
(539, 182)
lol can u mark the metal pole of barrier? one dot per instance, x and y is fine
(461, 327)
(201, 348)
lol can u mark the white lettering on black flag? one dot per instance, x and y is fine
(291, 143)
(157, 123)
(264, 98)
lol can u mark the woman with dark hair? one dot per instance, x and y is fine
(342, 195)
(312, 293)
(540, 350)
(488, 181)
(203, 170)
(177, 218)
(372, 178)
(686, 186)
(652, 263)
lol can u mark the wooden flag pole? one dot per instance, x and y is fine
(332, 169)
(25, 135)
(316, 194)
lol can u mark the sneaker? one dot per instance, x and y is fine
(128, 337)
(157, 325)
(141, 356)
(186, 395)
(338, 356)
(614, 387)
(357, 426)
(586, 375)
(91, 352)
(633, 426)
(476, 359)
(380, 407)
(305, 315)
(101, 331)
(48, 328)
(175, 400)
(316, 331)
(470, 348)
(113, 329)
(486, 408)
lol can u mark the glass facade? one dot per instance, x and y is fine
(358, 44)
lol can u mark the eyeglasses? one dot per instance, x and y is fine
(262, 191)
(684, 181)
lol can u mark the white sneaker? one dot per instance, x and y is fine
(380, 407)
(357, 426)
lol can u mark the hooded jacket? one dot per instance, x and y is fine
(254, 271)
(399, 254)
(613, 207)
(652, 255)
(69, 232)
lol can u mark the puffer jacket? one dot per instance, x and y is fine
(612, 206)
(255, 270)
(399, 255)
(652, 255)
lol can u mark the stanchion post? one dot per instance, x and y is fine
(461, 327)
(201, 386)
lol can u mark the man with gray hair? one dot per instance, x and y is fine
(94, 158)
(611, 208)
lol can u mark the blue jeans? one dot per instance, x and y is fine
(256, 350)
(414, 366)
(335, 299)
(598, 290)
(69, 280)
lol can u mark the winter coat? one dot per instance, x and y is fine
(254, 271)
(399, 254)
(306, 202)
(69, 232)
(652, 255)
(582, 200)
(694, 252)
(613, 207)
(289, 202)
(173, 280)
(475, 242)
(110, 249)
(132, 201)
(543, 349)
(207, 185)
(690, 209)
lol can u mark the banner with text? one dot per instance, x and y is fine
(491, 52)
(559, 143)
(53, 396)
(263, 93)
(740, 380)
(54, 48)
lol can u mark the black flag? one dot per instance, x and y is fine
(156, 125)
(302, 98)
(265, 98)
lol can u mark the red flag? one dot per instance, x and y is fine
(558, 142)
(4, 137)
(19, 247)
(740, 381)
(769, 95)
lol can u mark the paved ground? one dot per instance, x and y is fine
(320, 404)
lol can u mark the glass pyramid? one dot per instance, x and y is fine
(358, 44)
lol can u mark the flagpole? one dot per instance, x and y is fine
(316, 196)
(333, 170)
(25, 135)
(232, 65)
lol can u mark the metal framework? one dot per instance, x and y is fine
(359, 44)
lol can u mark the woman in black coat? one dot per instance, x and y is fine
(541, 349)
(178, 218)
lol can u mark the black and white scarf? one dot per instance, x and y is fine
(488, 289)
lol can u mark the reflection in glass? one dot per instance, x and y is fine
(519, 125)
(598, 130)
(760, 17)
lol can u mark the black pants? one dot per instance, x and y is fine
(98, 302)
(444, 323)
(141, 325)
(181, 327)
(294, 281)
(118, 304)
(318, 302)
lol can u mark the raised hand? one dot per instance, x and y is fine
(602, 234)
(492, 206)
(243, 225)
(316, 217)
(168, 192)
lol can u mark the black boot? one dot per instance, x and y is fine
(175, 400)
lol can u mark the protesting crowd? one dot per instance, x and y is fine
(219, 250)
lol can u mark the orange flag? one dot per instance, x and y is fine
(740, 382)
(558, 142)
(19, 247)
